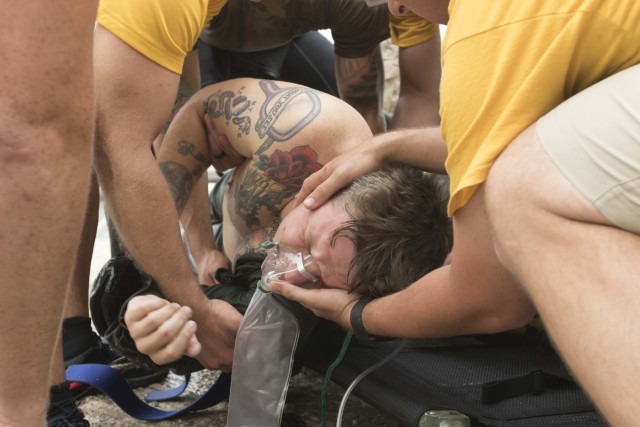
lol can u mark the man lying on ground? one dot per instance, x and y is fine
(388, 228)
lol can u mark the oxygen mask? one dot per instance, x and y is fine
(267, 340)
(288, 265)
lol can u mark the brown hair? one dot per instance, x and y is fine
(399, 227)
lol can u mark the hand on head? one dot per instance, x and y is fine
(337, 174)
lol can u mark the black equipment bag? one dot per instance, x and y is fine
(506, 379)
(120, 280)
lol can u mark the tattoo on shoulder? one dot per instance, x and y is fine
(273, 180)
(234, 107)
(307, 107)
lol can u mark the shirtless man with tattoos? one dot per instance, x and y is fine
(277, 134)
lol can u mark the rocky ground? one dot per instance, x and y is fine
(303, 408)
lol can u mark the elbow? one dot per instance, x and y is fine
(507, 317)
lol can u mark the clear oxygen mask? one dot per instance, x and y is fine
(286, 264)
(266, 342)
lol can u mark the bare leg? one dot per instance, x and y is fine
(581, 272)
(77, 302)
(46, 106)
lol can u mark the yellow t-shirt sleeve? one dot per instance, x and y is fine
(162, 30)
(410, 29)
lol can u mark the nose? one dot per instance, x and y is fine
(397, 8)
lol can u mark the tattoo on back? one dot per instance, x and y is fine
(273, 180)
(276, 176)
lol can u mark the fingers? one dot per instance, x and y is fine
(165, 333)
(312, 193)
(183, 343)
(331, 304)
(142, 305)
(152, 321)
(292, 292)
(193, 347)
(210, 263)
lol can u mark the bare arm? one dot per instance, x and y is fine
(422, 148)
(361, 84)
(419, 145)
(134, 98)
(473, 294)
(419, 100)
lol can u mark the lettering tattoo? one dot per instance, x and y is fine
(233, 107)
(307, 108)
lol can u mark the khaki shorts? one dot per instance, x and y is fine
(594, 139)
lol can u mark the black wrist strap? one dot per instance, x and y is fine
(356, 319)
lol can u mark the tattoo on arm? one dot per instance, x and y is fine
(307, 108)
(275, 178)
(235, 108)
(185, 91)
(179, 178)
(360, 80)
(180, 182)
(187, 148)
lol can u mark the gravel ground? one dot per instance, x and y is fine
(303, 408)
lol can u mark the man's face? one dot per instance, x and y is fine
(311, 231)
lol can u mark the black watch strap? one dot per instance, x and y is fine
(356, 319)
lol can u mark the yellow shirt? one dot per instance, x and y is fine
(162, 30)
(506, 63)
(410, 29)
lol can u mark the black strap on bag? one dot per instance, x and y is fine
(535, 382)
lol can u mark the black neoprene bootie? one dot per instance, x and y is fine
(63, 410)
